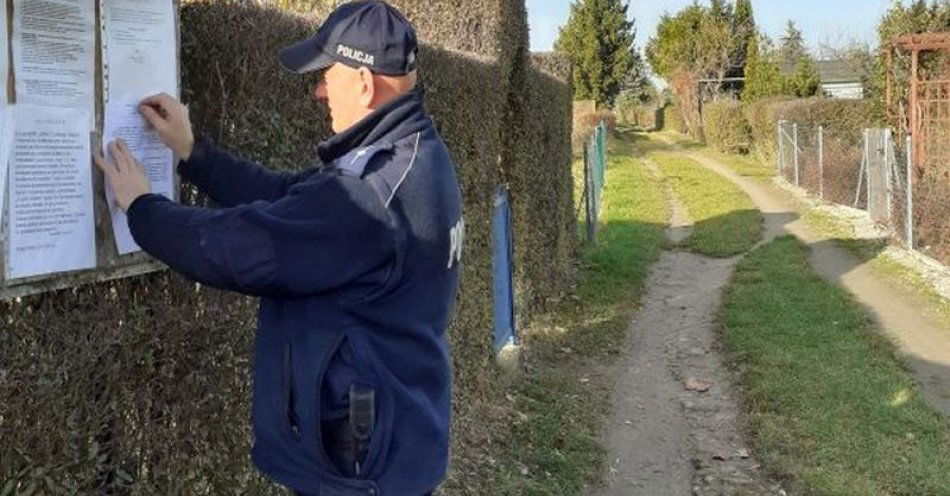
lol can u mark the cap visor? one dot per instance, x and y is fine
(304, 56)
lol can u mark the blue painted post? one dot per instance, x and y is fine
(502, 265)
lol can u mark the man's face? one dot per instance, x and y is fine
(340, 88)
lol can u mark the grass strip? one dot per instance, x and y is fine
(553, 444)
(887, 267)
(831, 409)
(743, 165)
(726, 221)
(842, 232)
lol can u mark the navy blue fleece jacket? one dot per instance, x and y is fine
(356, 264)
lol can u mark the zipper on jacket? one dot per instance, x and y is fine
(290, 399)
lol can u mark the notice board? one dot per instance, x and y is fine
(75, 72)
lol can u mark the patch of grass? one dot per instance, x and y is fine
(871, 251)
(843, 234)
(681, 139)
(743, 165)
(831, 409)
(556, 410)
(726, 221)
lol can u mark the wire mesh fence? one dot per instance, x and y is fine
(595, 165)
(870, 171)
(823, 161)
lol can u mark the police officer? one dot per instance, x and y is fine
(356, 264)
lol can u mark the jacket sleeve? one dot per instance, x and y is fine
(231, 180)
(322, 236)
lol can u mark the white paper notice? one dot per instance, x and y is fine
(123, 120)
(140, 48)
(52, 228)
(6, 126)
(6, 142)
(54, 46)
(140, 55)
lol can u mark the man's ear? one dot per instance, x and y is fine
(368, 93)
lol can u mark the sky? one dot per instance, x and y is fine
(821, 21)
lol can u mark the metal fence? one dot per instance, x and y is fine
(871, 171)
(595, 166)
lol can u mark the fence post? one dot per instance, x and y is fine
(888, 174)
(779, 157)
(910, 193)
(861, 170)
(588, 192)
(586, 196)
(821, 162)
(867, 167)
(603, 155)
(795, 152)
(595, 184)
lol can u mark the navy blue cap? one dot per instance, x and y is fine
(369, 34)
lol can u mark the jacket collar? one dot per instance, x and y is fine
(397, 119)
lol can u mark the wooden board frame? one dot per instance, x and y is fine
(109, 265)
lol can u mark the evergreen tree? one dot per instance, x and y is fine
(792, 45)
(598, 39)
(744, 32)
(804, 80)
(694, 41)
(801, 74)
(720, 10)
(763, 76)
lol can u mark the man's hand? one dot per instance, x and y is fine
(127, 177)
(170, 119)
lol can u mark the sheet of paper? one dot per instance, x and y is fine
(140, 59)
(52, 225)
(123, 120)
(54, 46)
(6, 142)
(140, 48)
(4, 51)
(5, 109)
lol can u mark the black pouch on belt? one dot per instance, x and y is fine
(362, 420)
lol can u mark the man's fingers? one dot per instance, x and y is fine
(154, 118)
(124, 148)
(162, 104)
(113, 150)
(119, 154)
(158, 100)
(103, 164)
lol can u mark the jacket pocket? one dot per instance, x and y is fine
(379, 442)
(290, 395)
(320, 397)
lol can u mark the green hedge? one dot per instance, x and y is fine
(542, 194)
(673, 119)
(845, 117)
(141, 386)
(644, 116)
(725, 126)
(762, 118)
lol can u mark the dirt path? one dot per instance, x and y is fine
(674, 428)
(924, 344)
